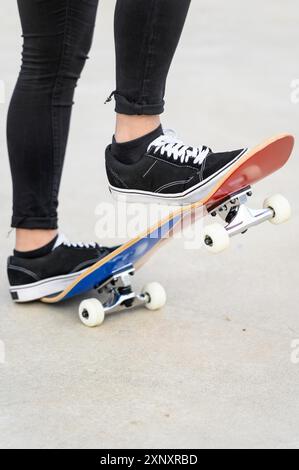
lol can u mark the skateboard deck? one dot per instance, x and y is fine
(256, 164)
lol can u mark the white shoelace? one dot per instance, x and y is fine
(62, 240)
(175, 148)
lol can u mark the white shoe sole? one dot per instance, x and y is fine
(190, 196)
(44, 288)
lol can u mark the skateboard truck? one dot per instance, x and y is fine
(239, 217)
(117, 294)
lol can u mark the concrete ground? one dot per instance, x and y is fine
(216, 367)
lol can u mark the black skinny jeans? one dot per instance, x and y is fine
(57, 38)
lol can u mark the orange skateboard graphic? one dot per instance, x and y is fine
(111, 276)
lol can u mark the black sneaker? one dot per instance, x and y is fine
(34, 278)
(169, 172)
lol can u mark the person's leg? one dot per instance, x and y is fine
(57, 37)
(147, 33)
(144, 162)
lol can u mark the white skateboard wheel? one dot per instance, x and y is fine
(91, 312)
(156, 294)
(281, 208)
(216, 238)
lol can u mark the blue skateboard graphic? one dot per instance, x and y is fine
(121, 259)
(111, 276)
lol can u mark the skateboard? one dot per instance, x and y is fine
(111, 277)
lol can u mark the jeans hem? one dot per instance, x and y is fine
(34, 222)
(125, 106)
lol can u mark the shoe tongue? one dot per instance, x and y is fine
(61, 238)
